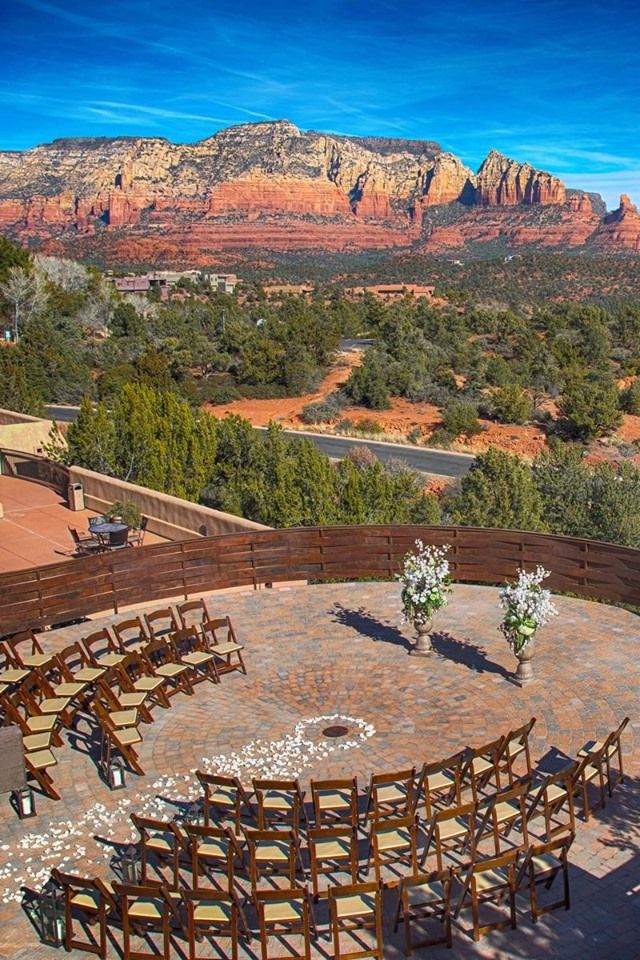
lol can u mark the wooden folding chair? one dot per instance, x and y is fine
(130, 635)
(137, 676)
(220, 638)
(193, 613)
(110, 691)
(439, 784)
(332, 850)
(390, 795)
(285, 911)
(101, 648)
(75, 666)
(501, 813)
(161, 623)
(10, 675)
(163, 842)
(335, 802)
(159, 654)
(24, 650)
(393, 841)
(87, 901)
(145, 909)
(552, 798)
(122, 739)
(273, 853)
(189, 648)
(514, 747)
(541, 865)
(480, 769)
(213, 913)
(24, 713)
(591, 771)
(352, 908)
(37, 690)
(214, 850)
(490, 881)
(224, 797)
(452, 830)
(38, 764)
(424, 897)
(279, 802)
(612, 748)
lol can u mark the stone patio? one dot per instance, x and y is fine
(341, 649)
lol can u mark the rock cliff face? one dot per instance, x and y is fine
(273, 187)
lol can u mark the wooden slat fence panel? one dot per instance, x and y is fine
(66, 591)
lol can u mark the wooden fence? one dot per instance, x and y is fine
(66, 591)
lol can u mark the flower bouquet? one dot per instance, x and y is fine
(528, 606)
(425, 584)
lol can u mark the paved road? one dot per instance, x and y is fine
(438, 462)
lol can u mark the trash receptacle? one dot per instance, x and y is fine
(75, 496)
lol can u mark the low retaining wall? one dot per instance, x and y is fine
(23, 433)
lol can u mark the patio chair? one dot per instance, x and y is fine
(335, 802)
(591, 771)
(285, 911)
(501, 813)
(110, 690)
(24, 651)
(352, 908)
(120, 717)
(75, 666)
(118, 540)
(10, 674)
(163, 842)
(224, 796)
(102, 650)
(214, 850)
(193, 613)
(189, 648)
(393, 841)
(552, 798)
(213, 913)
(145, 909)
(160, 655)
(38, 763)
(273, 853)
(424, 897)
(136, 537)
(87, 901)
(332, 850)
(390, 795)
(160, 623)
(490, 881)
(439, 784)
(452, 830)
(480, 769)
(21, 710)
(130, 635)
(541, 865)
(612, 748)
(86, 545)
(220, 638)
(122, 739)
(137, 676)
(514, 747)
(279, 802)
(40, 694)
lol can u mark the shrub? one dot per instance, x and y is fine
(323, 411)
(460, 418)
(630, 399)
(511, 404)
(368, 425)
(126, 511)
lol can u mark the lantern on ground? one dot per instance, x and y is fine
(51, 914)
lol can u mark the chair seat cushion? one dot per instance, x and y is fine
(70, 689)
(336, 849)
(132, 699)
(278, 800)
(171, 670)
(37, 660)
(41, 759)
(433, 890)
(393, 840)
(272, 851)
(212, 911)
(506, 811)
(440, 780)
(89, 674)
(54, 704)
(333, 799)
(13, 675)
(197, 658)
(42, 722)
(127, 736)
(555, 792)
(491, 878)
(544, 862)
(223, 649)
(145, 909)
(391, 792)
(124, 718)
(283, 911)
(210, 847)
(36, 741)
(86, 900)
(112, 659)
(452, 828)
(148, 683)
(355, 906)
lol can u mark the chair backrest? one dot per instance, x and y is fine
(272, 849)
(514, 744)
(185, 640)
(335, 801)
(159, 651)
(134, 666)
(546, 857)
(98, 643)
(481, 766)
(219, 630)
(223, 793)
(505, 862)
(224, 919)
(216, 844)
(74, 884)
(193, 612)
(25, 637)
(291, 808)
(393, 791)
(118, 538)
(439, 783)
(130, 634)
(369, 894)
(464, 815)
(161, 622)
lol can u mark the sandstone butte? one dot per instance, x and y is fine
(270, 186)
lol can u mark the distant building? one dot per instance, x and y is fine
(164, 280)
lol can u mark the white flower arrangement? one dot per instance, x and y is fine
(425, 582)
(528, 606)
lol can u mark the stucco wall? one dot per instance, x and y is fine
(168, 516)
(21, 432)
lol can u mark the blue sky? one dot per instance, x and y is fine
(555, 83)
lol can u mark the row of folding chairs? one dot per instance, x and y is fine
(427, 903)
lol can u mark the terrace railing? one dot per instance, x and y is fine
(67, 591)
(30, 466)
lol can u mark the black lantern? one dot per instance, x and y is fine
(51, 914)
(127, 864)
(25, 802)
(116, 774)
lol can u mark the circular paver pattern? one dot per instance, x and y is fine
(336, 654)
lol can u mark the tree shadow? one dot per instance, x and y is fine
(367, 625)
(468, 654)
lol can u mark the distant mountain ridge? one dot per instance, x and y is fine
(270, 186)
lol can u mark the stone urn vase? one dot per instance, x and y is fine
(524, 673)
(423, 646)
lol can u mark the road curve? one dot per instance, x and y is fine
(440, 463)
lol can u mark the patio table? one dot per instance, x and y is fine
(105, 529)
